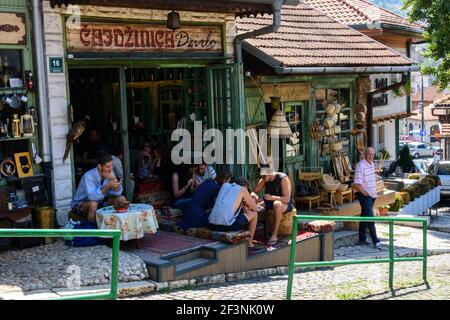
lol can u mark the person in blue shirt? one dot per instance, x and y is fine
(98, 187)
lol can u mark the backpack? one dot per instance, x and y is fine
(85, 241)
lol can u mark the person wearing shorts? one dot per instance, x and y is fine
(277, 187)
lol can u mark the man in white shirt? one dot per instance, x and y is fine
(365, 183)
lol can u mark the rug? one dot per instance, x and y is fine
(162, 243)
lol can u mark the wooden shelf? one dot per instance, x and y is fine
(15, 139)
(13, 179)
(13, 90)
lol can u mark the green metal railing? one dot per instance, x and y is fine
(114, 234)
(391, 260)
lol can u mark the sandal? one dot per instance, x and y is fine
(273, 242)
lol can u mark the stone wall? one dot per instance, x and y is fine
(58, 89)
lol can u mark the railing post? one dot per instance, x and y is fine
(391, 254)
(292, 258)
(425, 251)
(115, 266)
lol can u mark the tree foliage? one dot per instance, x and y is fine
(435, 15)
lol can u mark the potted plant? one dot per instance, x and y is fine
(383, 210)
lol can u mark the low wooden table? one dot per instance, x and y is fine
(309, 200)
(342, 196)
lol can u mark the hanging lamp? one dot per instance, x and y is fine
(173, 20)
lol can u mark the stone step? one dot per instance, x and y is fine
(345, 238)
(187, 266)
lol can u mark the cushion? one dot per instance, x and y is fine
(320, 226)
(231, 237)
(168, 213)
(156, 199)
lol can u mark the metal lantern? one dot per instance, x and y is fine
(27, 125)
(275, 102)
(173, 20)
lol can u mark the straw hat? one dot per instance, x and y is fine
(331, 108)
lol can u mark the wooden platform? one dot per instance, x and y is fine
(354, 208)
(212, 258)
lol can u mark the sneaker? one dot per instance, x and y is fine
(377, 245)
(364, 243)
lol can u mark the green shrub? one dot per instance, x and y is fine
(397, 205)
(414, 176)
(431, 183)
(423, 188)
(404, 196)
(436, 179)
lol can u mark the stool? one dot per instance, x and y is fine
(342, 196)
(286, 223)
(309, 200)
(330, 195)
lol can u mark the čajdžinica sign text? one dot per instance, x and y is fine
(88, 37)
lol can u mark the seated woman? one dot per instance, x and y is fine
(163, 168)
(145, 163)
(197, 210)
(234, 210)
(182, 186)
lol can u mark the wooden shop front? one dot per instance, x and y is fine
(22, 184)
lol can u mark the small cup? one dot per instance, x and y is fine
(24, 98)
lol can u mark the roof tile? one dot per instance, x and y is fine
(308, 37)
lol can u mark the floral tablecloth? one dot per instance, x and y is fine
(134, 224)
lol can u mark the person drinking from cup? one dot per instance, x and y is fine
(98, 187)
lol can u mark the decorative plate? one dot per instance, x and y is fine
(7, 168)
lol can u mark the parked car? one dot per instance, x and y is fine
(420, 149)
(442, 169)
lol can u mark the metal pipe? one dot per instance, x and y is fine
(277, 4)
(38, 42)
(315, 70)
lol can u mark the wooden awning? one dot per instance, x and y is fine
(393, 117)
(241, 8)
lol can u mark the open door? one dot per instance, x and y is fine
(225, 111)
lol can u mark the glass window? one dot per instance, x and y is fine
(381, 134)
(294, 117)
(11, 73)
(444, 169)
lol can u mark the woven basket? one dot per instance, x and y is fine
(286, 223)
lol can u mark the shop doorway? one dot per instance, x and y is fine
(125, 111)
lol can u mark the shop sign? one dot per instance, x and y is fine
(287, 91)
(123, 37)
(12, 28)
(381, 100)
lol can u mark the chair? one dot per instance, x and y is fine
(310, 178)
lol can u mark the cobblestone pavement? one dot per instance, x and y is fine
(340, 283)
(440, 219)
(51, 266)
(348, 282)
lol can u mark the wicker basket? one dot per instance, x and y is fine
(330, 187)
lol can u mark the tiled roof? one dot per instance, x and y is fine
(308, 38)
(354, 12)
(429, 94)
(445, 100)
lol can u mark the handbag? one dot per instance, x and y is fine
(301, 190)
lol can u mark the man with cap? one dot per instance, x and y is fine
(277, 196)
